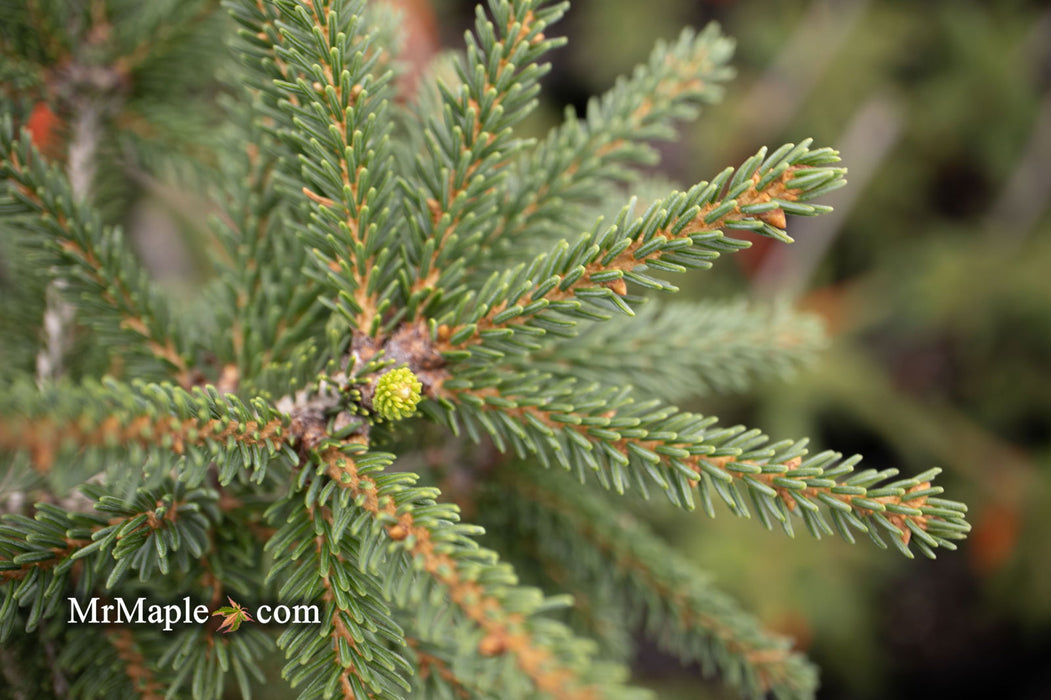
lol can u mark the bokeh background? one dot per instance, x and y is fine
(934, 279)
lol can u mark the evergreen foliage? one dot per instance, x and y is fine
(391, 271)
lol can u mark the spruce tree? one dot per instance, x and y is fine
(428, 385)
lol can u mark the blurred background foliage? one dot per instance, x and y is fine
(934, 280)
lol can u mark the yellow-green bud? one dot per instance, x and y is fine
(397, 393)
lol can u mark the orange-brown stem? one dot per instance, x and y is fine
(627, 260)
(504, 632)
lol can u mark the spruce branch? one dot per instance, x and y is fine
(354, 679)
(44, 558)
(38, 553)
(113, 661)
(411, 523)
(135, 661)
(169, 34)
(139, 671)
(649, 581)
(264, 314)
(436, 678)
(332, 110)
(672, 351)
(636, 444)
(578, 160)
(685, 230)
(458, 182)
(111, 416)
(157, 533)
(200, 658)
(157, 530)
(349, 653)
(91, 258)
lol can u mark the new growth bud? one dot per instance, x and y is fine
(397, 394)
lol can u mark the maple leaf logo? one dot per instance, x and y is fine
(233, 615)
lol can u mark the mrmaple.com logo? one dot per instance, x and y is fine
(117, 611)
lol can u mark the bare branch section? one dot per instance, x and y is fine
(59, 314)
(58, 321)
